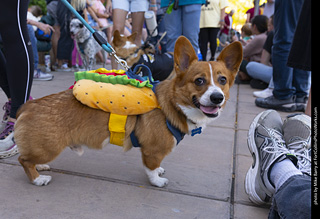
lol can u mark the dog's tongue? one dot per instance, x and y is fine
(209, 109)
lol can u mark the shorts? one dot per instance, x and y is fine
(131, 5)
(52, 10)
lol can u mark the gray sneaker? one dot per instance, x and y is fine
(267, 146)
(297, 135)
(41, 76)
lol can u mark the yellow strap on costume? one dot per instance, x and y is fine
(117, 125)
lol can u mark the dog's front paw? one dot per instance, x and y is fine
(42, 180)
(154, 178)
(159, 181)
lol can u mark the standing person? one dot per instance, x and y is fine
(225, 32)
(211, 20)
(269, 8)
(300, 53)
(291, 85)
(250, 12)
(120, 9)
(184, 20)
(15, 79)
(65, 43)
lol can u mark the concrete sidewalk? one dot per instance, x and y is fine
(206, 174)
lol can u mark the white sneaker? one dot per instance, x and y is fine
(41, 76)
(64, 67)
(264, 93)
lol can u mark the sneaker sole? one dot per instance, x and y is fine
(251, 176)
(290, 107)
(9, 153)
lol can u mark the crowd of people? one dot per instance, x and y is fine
(274, 40)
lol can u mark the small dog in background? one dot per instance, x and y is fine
(161, 65)
(87, 46)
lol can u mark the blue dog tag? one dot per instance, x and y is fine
(196, 131)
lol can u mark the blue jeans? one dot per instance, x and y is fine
(260, 71)
(287, 81)
(183, 21)
(33, 40)
(293, 199)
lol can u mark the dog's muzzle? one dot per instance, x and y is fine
(211, 110)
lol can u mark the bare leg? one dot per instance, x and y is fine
(137, 24)
(119, 18)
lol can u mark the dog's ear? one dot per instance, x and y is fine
(116, 41)
(184, 54)
(232, 56)
(132, 37)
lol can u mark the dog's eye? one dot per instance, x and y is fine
(200, 81)
(222, 80)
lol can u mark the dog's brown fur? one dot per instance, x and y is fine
(46, 126)
(118, 43)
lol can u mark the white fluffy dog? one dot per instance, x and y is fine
(86, 44)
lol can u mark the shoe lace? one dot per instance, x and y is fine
(300, 149)
(7, 108)
(7, 131)
(278, 146)
(279, 143)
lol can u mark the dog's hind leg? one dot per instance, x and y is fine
(32, 173)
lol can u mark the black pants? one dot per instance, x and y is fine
(16, 65)
(65, 43)
(208, 35)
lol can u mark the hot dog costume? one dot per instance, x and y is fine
(117, 92)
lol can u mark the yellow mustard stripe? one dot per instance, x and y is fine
(103, 70)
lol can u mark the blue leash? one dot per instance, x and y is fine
(102, 42)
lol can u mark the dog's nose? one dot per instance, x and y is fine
(216, 97)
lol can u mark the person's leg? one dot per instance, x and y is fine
(14, 32)
(65, 43)
(137, 8)
(203, 42)
(33, 40)
(285, 20)
(16, 41)
(173, 25)
(3, 76)
(213, 41)
(191, 24)
(119, 18)
(289, 181)
(264, 136)
(293, 198)
(137, 24)
(259, 71)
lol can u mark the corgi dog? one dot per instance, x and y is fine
(161, 65)
(193, 98)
